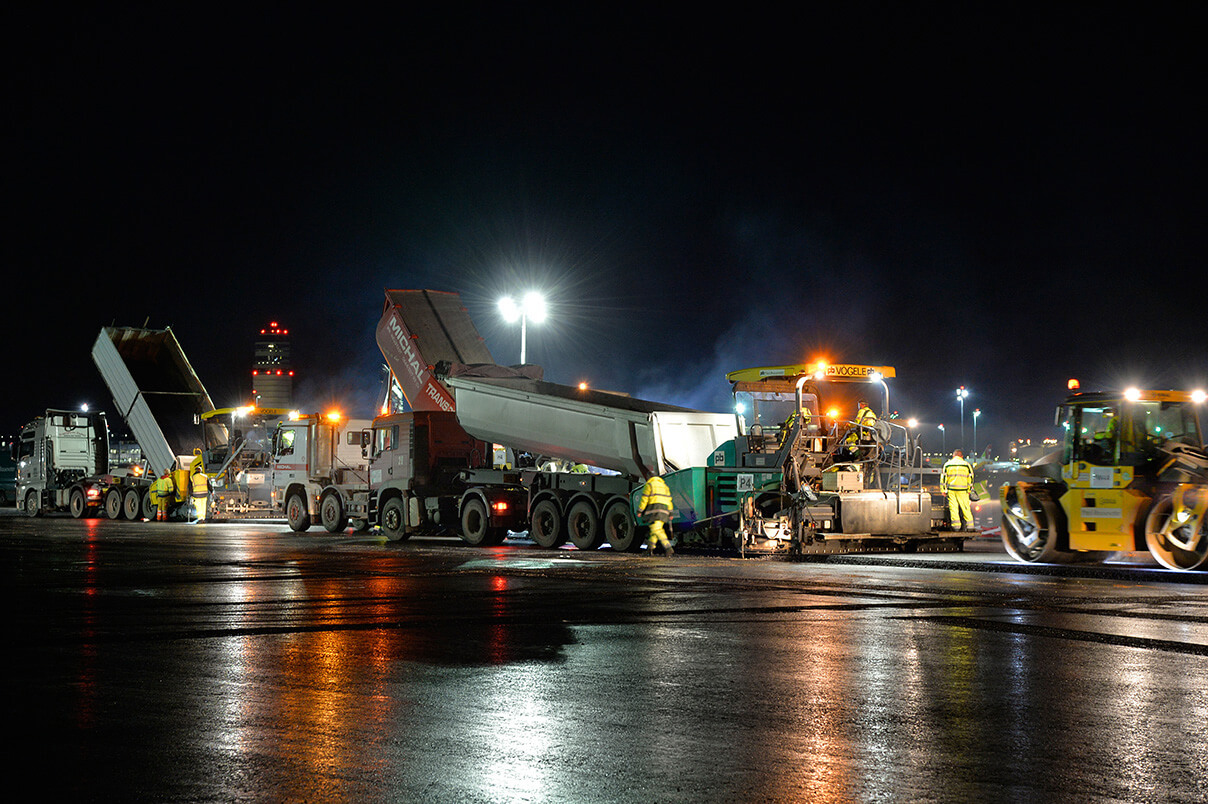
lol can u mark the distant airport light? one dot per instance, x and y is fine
(1132, 394)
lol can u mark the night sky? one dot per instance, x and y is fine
(990, 197)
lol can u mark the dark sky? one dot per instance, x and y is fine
(995, 198)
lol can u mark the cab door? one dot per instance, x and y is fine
(1099, 506)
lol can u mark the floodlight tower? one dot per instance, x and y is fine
(961, 394)
(530, 308)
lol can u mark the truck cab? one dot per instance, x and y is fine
(56, 452)
(315, 457)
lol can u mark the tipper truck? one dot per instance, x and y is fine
(64, 455)
(628, 439)
(436, 466)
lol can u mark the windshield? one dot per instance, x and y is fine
(769, 410)
(1109, 434)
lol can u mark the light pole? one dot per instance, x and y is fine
(961, 393)
(976, 413)
(531, 307)
(943, 440)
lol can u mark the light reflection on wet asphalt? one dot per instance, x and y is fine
(239, 662)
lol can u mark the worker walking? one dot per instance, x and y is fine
(956, 479)
(655, 508)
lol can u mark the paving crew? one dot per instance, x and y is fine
(956, 479)
(199, 487)
(162, 492)
(655, 508)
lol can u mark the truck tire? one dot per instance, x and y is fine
(132, 505)
(77, 504)
(331, 513)
(545, 524)
(296, 513)
(113, 503)
(620, 531)
(476, 524)
(394, 520)
(583, 526)
(33, 504)
(147, 504)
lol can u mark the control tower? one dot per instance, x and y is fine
(272, 369)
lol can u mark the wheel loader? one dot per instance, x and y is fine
(1131, 475)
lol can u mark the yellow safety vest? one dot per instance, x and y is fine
(957, 475)
(656, 500)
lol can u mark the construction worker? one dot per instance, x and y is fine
(861, 433)
(956, 479)
(199, 487)
(162, 492)
(866, 419)
(655, 508)
(803, 413)
(1105, 440)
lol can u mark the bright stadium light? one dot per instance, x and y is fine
(530, 308)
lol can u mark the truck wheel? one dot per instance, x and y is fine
(545, 525)
(132, 505)
(394, 521)
(1033, 539)
(147, 503)
(296, 513)
(619, 528)
(113, 504)
(77, 504)
(331, 513)
(583, 526)
(1175, 545)
(476, 524)
(33, 504)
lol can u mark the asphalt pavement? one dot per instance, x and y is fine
(243, 662)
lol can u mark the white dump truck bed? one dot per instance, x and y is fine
(610, 431)
(155, 390)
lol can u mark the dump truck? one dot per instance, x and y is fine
(65, 454)
(443, 465)
(1130, 475)
(319, 471)
(159, 396)
(618, 442)
(802, 476)
(398, 472)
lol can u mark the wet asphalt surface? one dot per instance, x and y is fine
(223, 662)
